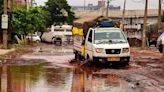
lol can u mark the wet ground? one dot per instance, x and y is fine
(47, 69)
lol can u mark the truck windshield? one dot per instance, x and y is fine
(109, 36)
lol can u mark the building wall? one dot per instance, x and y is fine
(23, 2)
(111, 7)
(20, 1)
(101, 3)
(131, 16)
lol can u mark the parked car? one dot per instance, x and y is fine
(159, 42)
(33, 37)
(152, 39)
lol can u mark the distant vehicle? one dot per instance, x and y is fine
(33, 37)
(100, 42)
(159, 42)
(152, 38)
(152, 34)
(58, 34)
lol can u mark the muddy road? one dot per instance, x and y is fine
(47, 69)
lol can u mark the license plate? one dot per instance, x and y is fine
(114, 59)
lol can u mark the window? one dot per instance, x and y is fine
(90, 36)
(109, 35)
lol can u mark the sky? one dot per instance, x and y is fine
(131, 4)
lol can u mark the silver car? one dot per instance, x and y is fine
(34, 38)
(159, 42)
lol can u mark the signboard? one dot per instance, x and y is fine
(4, 24)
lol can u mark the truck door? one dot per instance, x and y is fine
(89, 44)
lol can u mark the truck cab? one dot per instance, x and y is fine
(107, 45)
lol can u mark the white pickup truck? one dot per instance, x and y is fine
(58, 34)
(101, 44)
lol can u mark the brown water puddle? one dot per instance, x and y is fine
(85, 80)
(35, 78)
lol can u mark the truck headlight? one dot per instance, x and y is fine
(125, 50)
(99, 50)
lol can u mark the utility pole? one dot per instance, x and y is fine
(107, 9)
(123, 12)
(5, 30)
(144, 28)
(159, 16)
(123, 16)
(84, 4)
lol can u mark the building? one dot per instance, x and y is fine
(131, 16)
(81, 8)
(101, 3)
(20, 1)
(111, 7)
(24, 2)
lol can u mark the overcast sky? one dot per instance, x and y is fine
(131, 4)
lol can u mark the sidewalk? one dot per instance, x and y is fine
(5, 51)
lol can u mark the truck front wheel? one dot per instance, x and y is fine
(95, 60)
(125, 63)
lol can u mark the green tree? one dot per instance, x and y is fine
(59, 12)
(162, 17)
(28, 21)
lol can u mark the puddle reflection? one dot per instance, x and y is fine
(85, 80)
(35, 78)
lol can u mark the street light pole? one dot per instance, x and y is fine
(159, 16)
(145, 24)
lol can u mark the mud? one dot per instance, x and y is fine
(47, 69)
(144, 74)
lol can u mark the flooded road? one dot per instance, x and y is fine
(44, 70)
(39, 77)
(47, 69)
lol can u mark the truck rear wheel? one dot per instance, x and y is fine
(78, 56)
